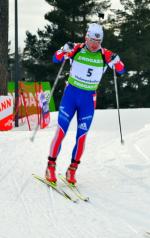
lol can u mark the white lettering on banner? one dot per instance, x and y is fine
(32, 101)
(8, 123)
(25, 98)
(29, 99)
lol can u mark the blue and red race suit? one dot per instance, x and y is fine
(80, 94)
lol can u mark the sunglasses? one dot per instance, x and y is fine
(94, 40)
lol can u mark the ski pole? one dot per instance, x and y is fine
(117, 101)
(57, 79)
(51, 94)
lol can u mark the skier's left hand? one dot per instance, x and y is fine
(114, 60)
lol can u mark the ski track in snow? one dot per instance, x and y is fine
(116, 178)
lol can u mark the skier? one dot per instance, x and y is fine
(88, 64)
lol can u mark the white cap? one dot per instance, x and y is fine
(95, 32)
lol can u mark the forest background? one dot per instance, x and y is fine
(126, 32)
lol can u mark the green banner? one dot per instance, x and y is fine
(29, 88)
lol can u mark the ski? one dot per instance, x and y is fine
(73, 188)
(54, 186)
(147, 234)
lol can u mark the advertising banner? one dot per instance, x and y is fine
(6, 113)
(29, 96)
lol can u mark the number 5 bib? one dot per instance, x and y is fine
(87, 70)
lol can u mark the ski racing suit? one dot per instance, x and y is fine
(79, 96)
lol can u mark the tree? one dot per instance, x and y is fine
(133, 28)
(3, 46)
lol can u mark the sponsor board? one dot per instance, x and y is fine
(6, 113)
(30, 92)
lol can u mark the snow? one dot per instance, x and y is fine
(116, 177)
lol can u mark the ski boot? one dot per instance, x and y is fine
(50, 170)
(70, 174)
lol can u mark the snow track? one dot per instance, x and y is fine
(116, 178)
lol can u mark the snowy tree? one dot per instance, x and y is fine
(132, 25)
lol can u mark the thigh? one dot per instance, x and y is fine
(85, 112)
(67, 108)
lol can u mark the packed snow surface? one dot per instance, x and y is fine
(116, 177)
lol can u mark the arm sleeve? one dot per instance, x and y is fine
(119, 66)
(59, 55)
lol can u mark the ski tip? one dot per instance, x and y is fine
(147, 234)
(53, 183)
(72, 185)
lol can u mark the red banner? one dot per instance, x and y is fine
(6, 113)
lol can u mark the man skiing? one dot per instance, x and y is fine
(89, 62)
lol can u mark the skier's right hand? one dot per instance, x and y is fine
(114, 60)
(68, 47)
